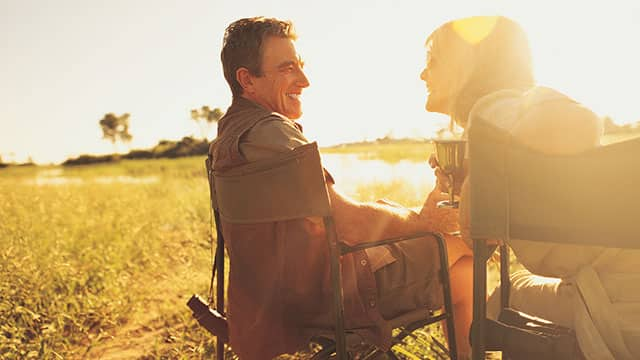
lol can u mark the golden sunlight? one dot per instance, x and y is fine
(476, 28)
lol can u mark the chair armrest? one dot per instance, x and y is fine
(442, 250)
(346, 249)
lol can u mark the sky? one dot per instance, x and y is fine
(66, 63)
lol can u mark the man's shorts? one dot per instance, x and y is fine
(412, 280)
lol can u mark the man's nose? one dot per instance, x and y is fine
(302, 81)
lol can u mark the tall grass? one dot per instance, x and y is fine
(78, 260)
(100, 260)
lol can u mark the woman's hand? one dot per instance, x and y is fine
(443, 181)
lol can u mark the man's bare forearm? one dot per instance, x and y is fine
(358, 222)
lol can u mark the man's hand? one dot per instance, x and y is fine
(443, 181)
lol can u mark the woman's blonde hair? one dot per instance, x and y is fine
(497, 51)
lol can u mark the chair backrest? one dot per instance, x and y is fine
(288, 187)
(291, 186)
(591, 198)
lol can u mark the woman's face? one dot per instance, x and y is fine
(437, 80)
(443, 75)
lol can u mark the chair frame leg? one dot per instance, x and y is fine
(480, 255)
(505, 280)
(336, 280)
(220, 273)
(448, 303)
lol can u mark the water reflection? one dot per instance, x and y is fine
(125, 179)
(56, 177)
(350, 172)
(54, 180)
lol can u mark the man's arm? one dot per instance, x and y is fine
(358, 222)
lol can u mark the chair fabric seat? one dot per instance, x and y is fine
(291, 188)
(581, 207)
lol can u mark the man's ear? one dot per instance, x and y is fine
(244, 78)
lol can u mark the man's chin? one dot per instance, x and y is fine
(294, 115)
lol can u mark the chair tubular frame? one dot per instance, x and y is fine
(496, 155)
(336, 250)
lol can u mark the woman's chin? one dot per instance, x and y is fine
(435, 107)
(430, 106)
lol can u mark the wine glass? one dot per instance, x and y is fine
(450, 156)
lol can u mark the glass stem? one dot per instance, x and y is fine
(451, 189)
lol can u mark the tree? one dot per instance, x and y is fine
(116, 128)
(205, 117)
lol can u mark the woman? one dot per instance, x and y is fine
(480, 68)
(461, 68)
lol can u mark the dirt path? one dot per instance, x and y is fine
(150, 327)
(132, 341)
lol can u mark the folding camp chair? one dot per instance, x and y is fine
(293, 186)
(591, 198)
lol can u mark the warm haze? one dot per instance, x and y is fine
(67, 63)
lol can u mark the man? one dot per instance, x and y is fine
(279, 279)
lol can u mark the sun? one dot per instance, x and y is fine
(475, 29)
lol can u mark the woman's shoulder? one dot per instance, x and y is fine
(499, 108)
(541, 117)
(553, 122)
(515, 102)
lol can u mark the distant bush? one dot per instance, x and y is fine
(187, 146)
(28, 163)
(90, 159)
(139, 154)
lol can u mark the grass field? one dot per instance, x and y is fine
(102, 256)
(99, 261)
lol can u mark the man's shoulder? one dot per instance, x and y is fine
(276, 129)
(270, 136)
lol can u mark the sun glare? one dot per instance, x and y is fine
(475, 29)
(364, 66)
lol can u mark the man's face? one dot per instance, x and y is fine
(280, 86)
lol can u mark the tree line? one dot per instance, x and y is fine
(115, 129)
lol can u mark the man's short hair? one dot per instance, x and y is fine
(242, 46)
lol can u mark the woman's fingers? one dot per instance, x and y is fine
(442, 180)
(433, 161)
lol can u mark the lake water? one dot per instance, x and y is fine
(350, 172)
(57, 177)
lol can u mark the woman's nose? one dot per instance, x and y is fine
(423, 74)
